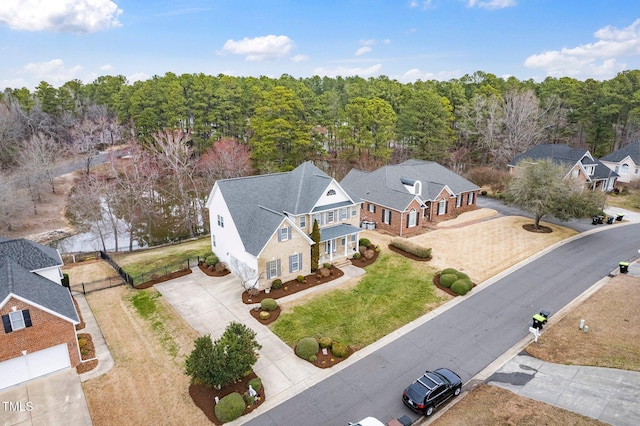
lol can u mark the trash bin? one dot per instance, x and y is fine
(538, 321)
(594, 220)
(624, 267)
(609, 220)
(545, 314)
(619, 217)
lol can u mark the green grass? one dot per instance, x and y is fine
(170, 257)
(629, 200)
(145, 303)
(392, 293)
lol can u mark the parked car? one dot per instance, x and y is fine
(431, 390)
(369, 421)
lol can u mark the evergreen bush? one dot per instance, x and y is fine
(447, 279)
(256, 384)
(461, 287)
(269, 304)
(364, 242)
(324, 342)
(339, 350)
(276, 284)
(300, 278)
(229, 407)
(411, 247)
(462, 275)
(307, 347)
(449, 271)
(211, 260)
(356, 255)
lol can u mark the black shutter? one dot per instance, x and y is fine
(390, 212)
(407, 220)
(374, 208)
(7, 324)
(383, 216)
(27, 318)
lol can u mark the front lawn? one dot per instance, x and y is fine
(392, 293)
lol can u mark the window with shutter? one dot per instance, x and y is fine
(16, 320)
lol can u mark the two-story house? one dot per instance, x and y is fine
(38, 333)
(625, 162)
(579, 163)
(261, 225)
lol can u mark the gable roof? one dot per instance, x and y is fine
(31, 256)
(631, 150)
(257, 203)
(386, 185)
(22, 283)
(565, 156)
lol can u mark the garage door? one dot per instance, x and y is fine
(36, 364)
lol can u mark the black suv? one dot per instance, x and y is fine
(431, 390)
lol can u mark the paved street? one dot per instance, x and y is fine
(466, 337)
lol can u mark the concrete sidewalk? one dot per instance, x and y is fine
(606, 394)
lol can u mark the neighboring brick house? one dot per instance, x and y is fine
(579, 164)
(261, 225)
(38, 333)
(625, 162)
(399, 199)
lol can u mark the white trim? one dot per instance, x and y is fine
(37, 306)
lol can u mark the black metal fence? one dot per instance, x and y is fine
(155, 274)
(102, 284)
(125, 277)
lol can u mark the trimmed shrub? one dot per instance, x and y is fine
(377, 249)
(248, 399)
(447, 279)
(326, 265)
(449, 271)
(65, 280)
(461, 287)
(264, 315)
(229, 407)
(356, 255)
(276, 284)
(364, 242)
(300, 278)
(411, 247)
(339, 349)
(211, 260)
(307, 347)
(256, 384)
(269, 304)
(207, 254)
(313, 358)
(462, 275)
(324, 342)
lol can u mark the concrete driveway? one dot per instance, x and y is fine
(56, 399)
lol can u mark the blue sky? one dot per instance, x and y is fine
(60, 40)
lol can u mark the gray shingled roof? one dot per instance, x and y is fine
(631, 150)
(337, 231)
(19, 281)
(385, 186)
(566, 156)
(257, 203)
(30, 255)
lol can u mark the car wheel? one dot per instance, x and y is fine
(457, 391)
(428, 411)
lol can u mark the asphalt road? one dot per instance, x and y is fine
(465, 338)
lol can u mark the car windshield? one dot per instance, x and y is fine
(444, 378)
(416, 392)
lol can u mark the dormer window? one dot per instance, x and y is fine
(625, 169)
(331, 192)
(417, 188)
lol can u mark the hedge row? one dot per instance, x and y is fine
(411, 247)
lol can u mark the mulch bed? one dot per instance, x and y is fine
(274, 315)
(204, 396)
(212, 273)
(409, 255)
(362, 262)
(81, 325)
(540, 229)
(328, 360)
(168, 277)
(436, 281)
(89, 353)
(292, 287)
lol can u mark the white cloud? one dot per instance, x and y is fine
(415, 74)
(139, 76)
(300, 58)
(492, 4)
(348, 71)
(260, 48)
(363, 50)
(369, 42)
(426, 4)
(106, 67)
(386, 41)
(599, 59)
(53, 72)
(74, 16)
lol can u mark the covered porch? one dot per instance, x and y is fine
(338, 241)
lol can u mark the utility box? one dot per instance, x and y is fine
(624, 267)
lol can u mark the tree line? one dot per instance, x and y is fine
(174, 123)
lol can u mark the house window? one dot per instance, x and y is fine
(617, 169)
(344, 214)
(354, 212)
(213, 240)
(459, 200)
(331, 192)
(386, 216)
(295, 262)
(330, 216)
(220, 221)
(16, 320)
(319, 217)
(470, 198)
(574, 173)
(284, 234)
(625, 169)
(353, 238)
(273, 269)
(372, 208)
(442, 206)
(412, 218)
(303, 222)
(343, 241)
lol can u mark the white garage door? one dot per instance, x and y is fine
(36, 364)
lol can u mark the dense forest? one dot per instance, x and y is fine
(187, 131)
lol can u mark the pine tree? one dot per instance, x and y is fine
(315, 249)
